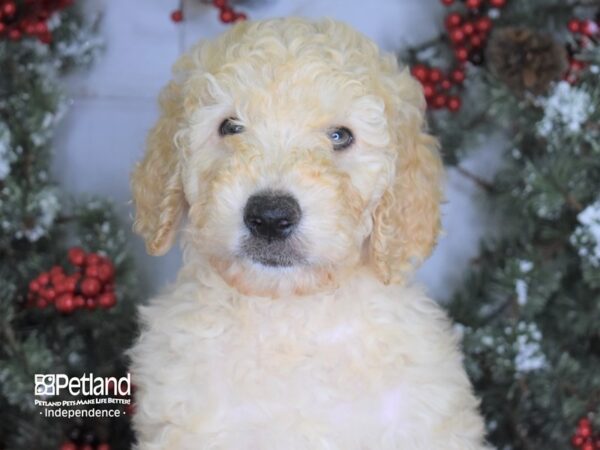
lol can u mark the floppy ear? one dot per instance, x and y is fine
(406, 222)
(156, 180)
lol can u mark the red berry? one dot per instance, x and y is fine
(476, 41)
(41, 27)
(9, 9)
(90, 286)
(435, 75)
(574, 26)
(2, 27)
(454, 103)
(106, 271)
(429, 90)
(584, 422)
(577, 441)
(589, 445)
(27, 26)
(484, 24)
(177, 16)
(43, 278)
(458, 76)
(48, 294)
(46, 37)
(462, 54)
(439, 101)
(220, 3)
(93, 259)
(70, 284)
(90, 303)
(57, 278)
(34, 286)
(79, 301)
(61, 287)
(56, 270)
(68, 446)
(420, 72)
(41, 303)
(453, 20)
(76, 256)
(92, 271)
(457, 35)
(226, 16)
(473, 4)
(497, 3)
(446, 84)
(447, 2)
(107, 300)
(584, 427)
(468, 28)
(65, 303)
(576, 65)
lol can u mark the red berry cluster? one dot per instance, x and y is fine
(587, 28)
(585, 33)
(468, 30)
(226, 13)
(29, 18)
(438, 86)
(584, 438)
(91, 285)
(70, 445)
(468, 33)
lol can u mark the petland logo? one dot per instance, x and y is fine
(85, 397)
(87, 385)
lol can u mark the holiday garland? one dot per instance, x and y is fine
(528, 313)
(525, 59)
(529, 310)
(29, 19)
(68, 286)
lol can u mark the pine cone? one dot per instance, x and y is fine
(526, 60)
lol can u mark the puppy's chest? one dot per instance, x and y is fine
(271, 361)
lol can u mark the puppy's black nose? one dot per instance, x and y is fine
(272, 215)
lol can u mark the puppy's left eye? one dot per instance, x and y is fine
(229, 126)
(340, 137)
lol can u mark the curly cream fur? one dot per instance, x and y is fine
(333, 352)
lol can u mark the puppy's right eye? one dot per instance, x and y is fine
(341, 138)
(229, 126)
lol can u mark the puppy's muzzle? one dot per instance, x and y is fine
(272, 216)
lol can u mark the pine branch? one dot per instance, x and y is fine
(480, 182)
(441, 38)
(13, 345)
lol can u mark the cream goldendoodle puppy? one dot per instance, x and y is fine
(296, 153)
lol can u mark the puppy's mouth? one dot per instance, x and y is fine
(271, 253)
